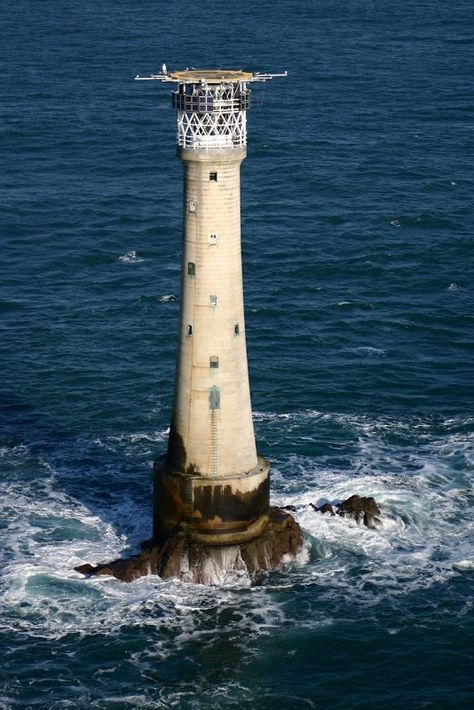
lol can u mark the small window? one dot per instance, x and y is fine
(213, 239)
(214, 361)
(192, 206)
(189, 330)
(191, 268)
(213, 177)
(213, 301)
(236, 329)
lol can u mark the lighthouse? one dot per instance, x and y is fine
(211, 512)
(212, 483)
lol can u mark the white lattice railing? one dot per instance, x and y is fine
(211, 130)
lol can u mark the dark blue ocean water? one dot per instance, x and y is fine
(359, 271)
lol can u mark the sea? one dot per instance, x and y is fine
(357, 214)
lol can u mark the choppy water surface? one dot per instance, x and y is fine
(357, 227)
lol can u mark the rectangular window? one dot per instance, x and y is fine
(213, 177)
(236, 329)
(214, 361)
(213, 239)
(192, 206)
(191, 268)
(189, 330)
(213, 301)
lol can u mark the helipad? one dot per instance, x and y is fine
(211, 76)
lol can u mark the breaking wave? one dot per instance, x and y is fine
(416, 470)
(130, 257)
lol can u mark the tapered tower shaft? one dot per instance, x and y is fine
(211, 484)
(212, 430)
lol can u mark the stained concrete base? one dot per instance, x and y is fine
(280, 541)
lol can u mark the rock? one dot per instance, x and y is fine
(172, 553)
(361, 509)
(292, 508)
(325, 508)
(85, 569)
(280, 541)
(125, 569)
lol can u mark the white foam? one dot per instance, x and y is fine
(423, 485)
(130, 257)
(146, 441)
(464, 565)
(224, 568)
(44, 597)
(167, 298)
(427, 505)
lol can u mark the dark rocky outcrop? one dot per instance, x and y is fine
(364, 510)
(280, 541)
(325, 508)
(361, 509)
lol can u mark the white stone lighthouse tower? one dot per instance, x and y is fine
(212, 484)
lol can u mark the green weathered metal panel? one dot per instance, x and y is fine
(214, 398)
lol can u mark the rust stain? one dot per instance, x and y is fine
(212, 501)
